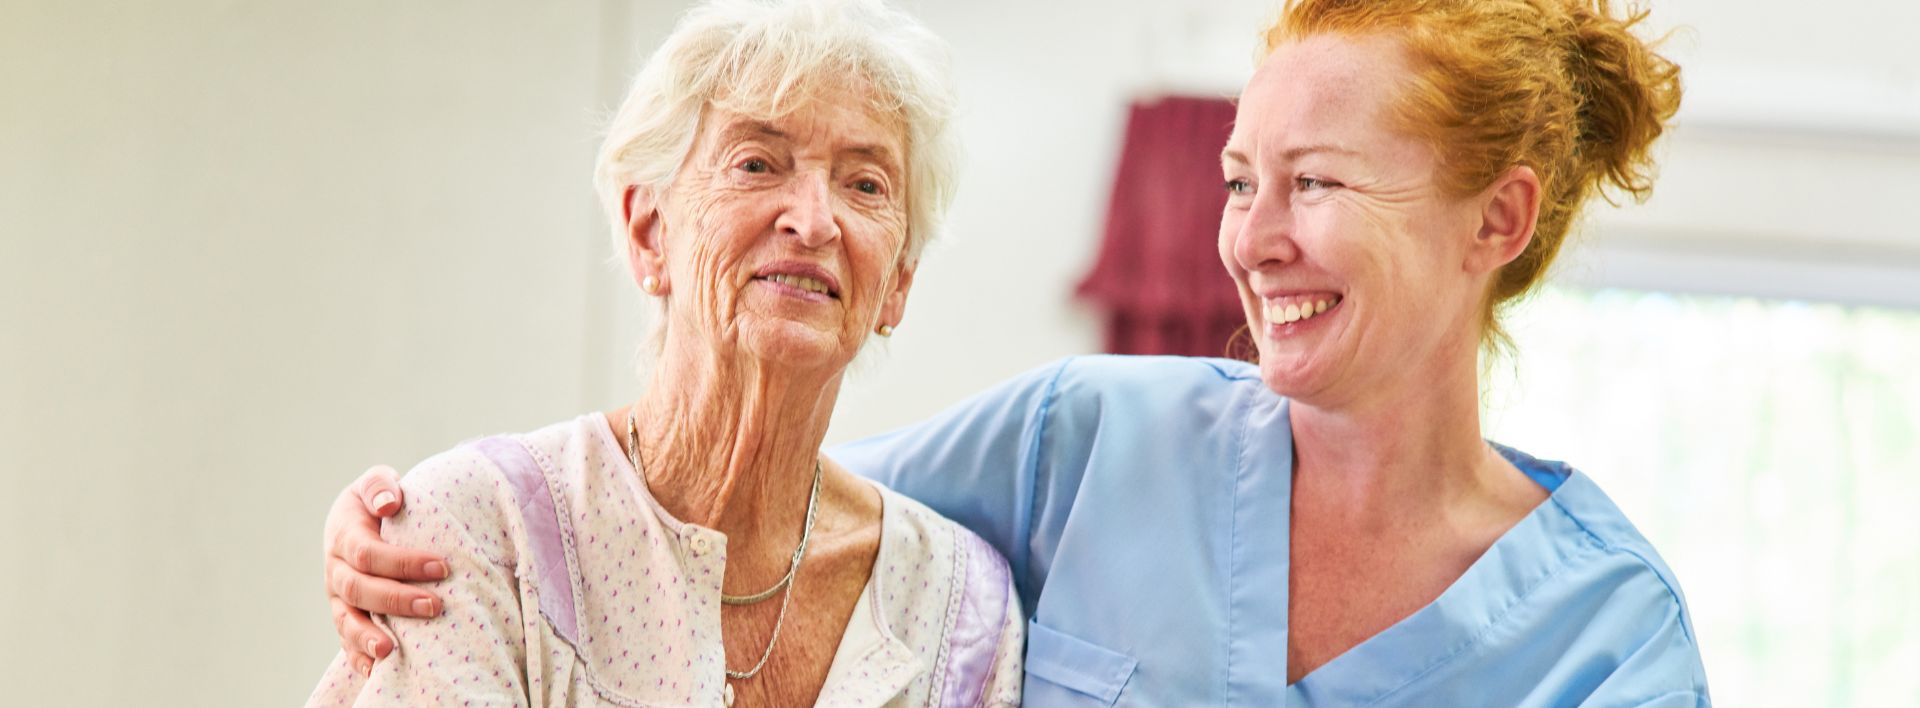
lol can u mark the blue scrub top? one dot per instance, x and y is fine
(1143, 505)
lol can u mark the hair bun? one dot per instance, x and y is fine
(1627, 92)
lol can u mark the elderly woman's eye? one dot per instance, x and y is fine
(867, 186)
(755, 166)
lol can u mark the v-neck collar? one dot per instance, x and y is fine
(1260, 551)
(1523, 556)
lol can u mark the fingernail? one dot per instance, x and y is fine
(436, 569)
(373, 647)
(381, 500)
(423, 606)
(366, 668)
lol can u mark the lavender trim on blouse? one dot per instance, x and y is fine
(982, 618)
(553, 578)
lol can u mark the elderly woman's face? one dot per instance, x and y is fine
(784, 237)
(1348, 257)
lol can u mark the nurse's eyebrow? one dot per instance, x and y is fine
(1297, 152)
(1290, 154)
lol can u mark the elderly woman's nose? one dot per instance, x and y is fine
(1265, 237)
(809, 211)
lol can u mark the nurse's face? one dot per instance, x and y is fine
(1348, 257)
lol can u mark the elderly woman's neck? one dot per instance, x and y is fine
(732, 446)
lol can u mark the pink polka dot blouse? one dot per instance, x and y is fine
(571, 586)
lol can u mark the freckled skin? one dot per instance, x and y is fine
(1394, 493)
(1385, 238)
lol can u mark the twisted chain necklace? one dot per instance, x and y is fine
(785, 583)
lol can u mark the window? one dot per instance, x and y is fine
(1770, 449)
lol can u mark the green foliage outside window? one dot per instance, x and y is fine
(1769, 449)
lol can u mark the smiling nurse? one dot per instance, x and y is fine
(1328, 528)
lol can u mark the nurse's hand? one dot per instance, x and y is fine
(362, 570)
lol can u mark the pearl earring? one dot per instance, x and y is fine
(886, 330)
(651, 285)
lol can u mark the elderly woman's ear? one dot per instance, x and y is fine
(894, 307)
(644, 254)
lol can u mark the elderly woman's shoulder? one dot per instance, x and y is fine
(473, 495)
(463, 470)
(455, 503)
(501, 462)
(914, 530)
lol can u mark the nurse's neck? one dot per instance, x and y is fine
(1408, 445)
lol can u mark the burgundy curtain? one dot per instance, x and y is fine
(1158, 275)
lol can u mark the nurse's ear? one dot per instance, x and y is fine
(1509, 208)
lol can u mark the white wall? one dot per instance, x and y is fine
(1794, 163)
(250, 248)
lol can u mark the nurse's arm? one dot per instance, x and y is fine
(984, 463)
(363, 573)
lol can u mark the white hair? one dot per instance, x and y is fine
(764, 59)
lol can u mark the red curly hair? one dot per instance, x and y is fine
(1561, 86)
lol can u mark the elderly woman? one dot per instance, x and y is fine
(1328, 527)
(775, 173)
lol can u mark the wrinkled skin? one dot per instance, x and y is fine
(819, 191)
(1395, 493)
(828, 176)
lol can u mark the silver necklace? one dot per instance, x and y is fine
(800, 551)
(786, 583)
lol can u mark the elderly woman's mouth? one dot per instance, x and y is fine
(1297, 308)
(812, 285)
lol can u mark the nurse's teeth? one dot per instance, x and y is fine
(1295, 312)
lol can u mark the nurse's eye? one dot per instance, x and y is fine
(1239, 186)
(1308, 184)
